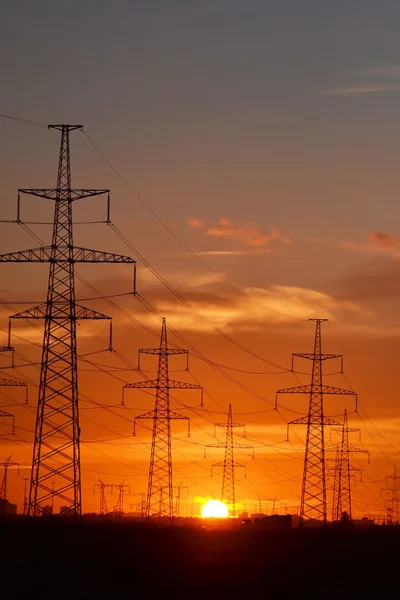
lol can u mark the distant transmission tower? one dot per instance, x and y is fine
(102, 490)
(393, 504)
(229, 464)
(160, 471)
(56, 450)
(313, 494)
(119, 507)
(342, 470)
(11, 383)
(178, 499)
(3, 488)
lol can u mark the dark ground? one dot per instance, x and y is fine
(46, 560)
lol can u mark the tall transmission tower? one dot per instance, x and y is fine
(160, 471)
(56, 450)
(313, 494)
(3, 487)
(393, 504)
(342, 470)
(229, 464)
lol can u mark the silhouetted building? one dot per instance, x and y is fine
(47, 511)
(6, 508)
(277, 521)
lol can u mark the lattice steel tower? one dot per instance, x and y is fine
(393, 504)
(56, 451)
(160, 471)
(342, 470)
(11, 383)
(229, 464)
(313, 493)
(3, 487)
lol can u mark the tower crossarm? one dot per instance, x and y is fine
(322, 389)
(169, 351)
(39, 312)
(312, 356)
(232, 464)
(155, 383)
(171, 383)
(233, 424)
(309, 389)
(11, 383)
(152, 414)
(164, 351)
(161, 417)
(313, 420)
(53, 194)
(348, 429)
(66, 255)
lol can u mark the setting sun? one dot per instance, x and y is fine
(215, 509)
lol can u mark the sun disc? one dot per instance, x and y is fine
(214, 509)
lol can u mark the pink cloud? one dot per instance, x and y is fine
(376, 242)
(384, 240)
(195, 223)
(247, 234)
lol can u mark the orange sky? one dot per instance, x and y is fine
(268, 150)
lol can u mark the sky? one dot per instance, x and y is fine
(253, 150)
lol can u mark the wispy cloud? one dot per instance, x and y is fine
(379, 80)
(376, 242)
(195, 223)
(386, 72)
(248, 234)
(233, 252)
(253, 308)
(362, 89)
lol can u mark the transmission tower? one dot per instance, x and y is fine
(11, 383)
(119, 507)
(393, 504)
(229, 464)
(160, 471)
(56, 450)
(342, 470)
(178, 499)
(313, 494)
(3, 488)
(102, 490)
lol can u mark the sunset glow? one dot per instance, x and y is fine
(214, 509)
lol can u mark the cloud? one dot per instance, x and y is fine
(183, 278)
(376, 242)
(387, 72)
(251, 309)
(362, 89)
(373, 281)
(195, 223)
(248, 234)
(233, 252)
(384, 240)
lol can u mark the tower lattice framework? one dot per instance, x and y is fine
(11, 383)
(160, 470)
(56, 450)
(3, 487)
(313, 505)
(343, 470)
(393, 503)
(229, 464)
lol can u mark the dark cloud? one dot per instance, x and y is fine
(372, 281)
